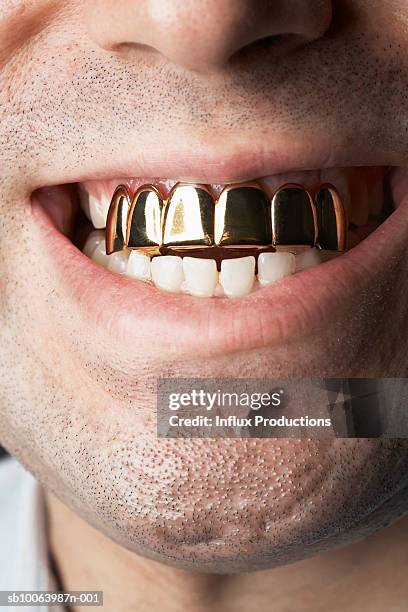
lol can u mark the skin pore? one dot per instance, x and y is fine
(92, 90)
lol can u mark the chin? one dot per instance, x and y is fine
(228, 506)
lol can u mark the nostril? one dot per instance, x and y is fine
(268, 48)
(205, 35)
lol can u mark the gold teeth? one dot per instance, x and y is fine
(330, 219)
(188, 218)
(144, 225)
(294, 218)
(243, 217)
(116, 236)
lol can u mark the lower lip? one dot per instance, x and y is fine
(133, 313)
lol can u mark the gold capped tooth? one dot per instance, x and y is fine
(294, 219)
(115, 233)
(188, 218)
(144, 224)
(331, 219)
(242, 217)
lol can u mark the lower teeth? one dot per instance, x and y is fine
(200, 277)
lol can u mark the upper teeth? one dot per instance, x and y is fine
(96, 209)
(242, 215)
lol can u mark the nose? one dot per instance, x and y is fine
(203, 35)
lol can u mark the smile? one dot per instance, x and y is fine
(282, 286)
(220, 240)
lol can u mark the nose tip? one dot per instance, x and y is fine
(201, 39)
(203, 35)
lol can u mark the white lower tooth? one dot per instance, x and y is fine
(117, 262)
(93, 240)
(237, 276)
(139, 266)
(167, 272)
(201, 276)
(308, 259)
(98, 208)
(99, 254)
(274, 266)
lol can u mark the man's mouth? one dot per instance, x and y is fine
(222, 240)
(321, 287)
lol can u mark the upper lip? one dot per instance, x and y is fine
(216, 161)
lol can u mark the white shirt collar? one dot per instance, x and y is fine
(24, 562)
